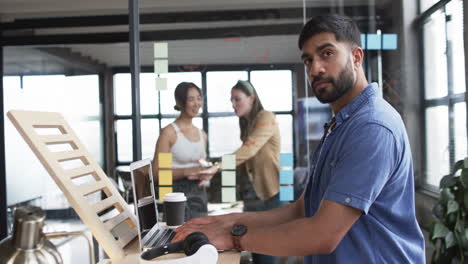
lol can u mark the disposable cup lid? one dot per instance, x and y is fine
(175, 197)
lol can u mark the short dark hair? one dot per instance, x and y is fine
(344, 28)
(181, 91)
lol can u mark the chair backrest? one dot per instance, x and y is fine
(112, 234)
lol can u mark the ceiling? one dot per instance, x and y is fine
(231, 46)
(13, 9)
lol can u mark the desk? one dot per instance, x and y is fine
(228, 257)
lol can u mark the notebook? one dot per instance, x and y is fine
(150, 232)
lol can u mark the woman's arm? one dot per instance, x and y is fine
(263, 131)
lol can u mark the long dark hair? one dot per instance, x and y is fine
(180, 93)
(247, 124)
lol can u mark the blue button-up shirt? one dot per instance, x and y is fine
(365, 162)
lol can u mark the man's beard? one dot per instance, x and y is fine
(342, 85)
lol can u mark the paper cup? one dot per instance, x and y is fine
(174, 209)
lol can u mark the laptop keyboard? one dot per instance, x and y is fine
(161, 237)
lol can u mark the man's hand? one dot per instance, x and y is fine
(216, 228)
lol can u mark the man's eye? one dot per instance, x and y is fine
(327, 53)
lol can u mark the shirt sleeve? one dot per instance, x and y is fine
(364, 166)
(263, 131)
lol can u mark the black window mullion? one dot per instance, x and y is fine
(457, 98)
(205, 110)
(122, 117)
(450, 76)
(159, 110)
(423, 102)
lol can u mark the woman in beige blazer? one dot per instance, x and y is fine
(258, 157)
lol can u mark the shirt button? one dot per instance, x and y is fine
(346, 116)
(348, 200)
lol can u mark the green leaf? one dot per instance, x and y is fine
(465, 200)
(450, 240)
(440, 230)
(459, 165)
(460, 225)
(447, 181)
(451, 220)
(452, 206)
(438, 211)
(462, 238)
(464, 178)
(446, 195)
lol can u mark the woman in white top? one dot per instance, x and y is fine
(187, 144)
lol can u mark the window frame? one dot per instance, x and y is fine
(205, 115)
(450, 100)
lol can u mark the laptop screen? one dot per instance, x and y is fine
(145, 205)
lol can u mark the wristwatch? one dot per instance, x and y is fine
(237, 231)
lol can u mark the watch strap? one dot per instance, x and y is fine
(236, 242)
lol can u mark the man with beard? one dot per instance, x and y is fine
(358, 206)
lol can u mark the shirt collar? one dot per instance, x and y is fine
(345, 113)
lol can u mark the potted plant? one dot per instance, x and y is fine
(449, 230)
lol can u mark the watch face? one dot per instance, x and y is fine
(238, 230)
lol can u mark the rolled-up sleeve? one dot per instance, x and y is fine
(361, 171)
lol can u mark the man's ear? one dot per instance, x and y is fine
(358, 56)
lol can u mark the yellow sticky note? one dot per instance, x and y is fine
(228, 178)
(165, 160)
(163, 191)
(228, 194)
(165, 177)
(228, 162)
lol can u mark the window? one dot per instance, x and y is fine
(278, 82)
(77, 99)
(426, 4)
(219, 86)
(218, 143)
(444, 90)
(221, 116)
(155, 107)
(124, 140)
(219, 120)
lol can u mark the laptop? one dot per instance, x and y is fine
(150, 232)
